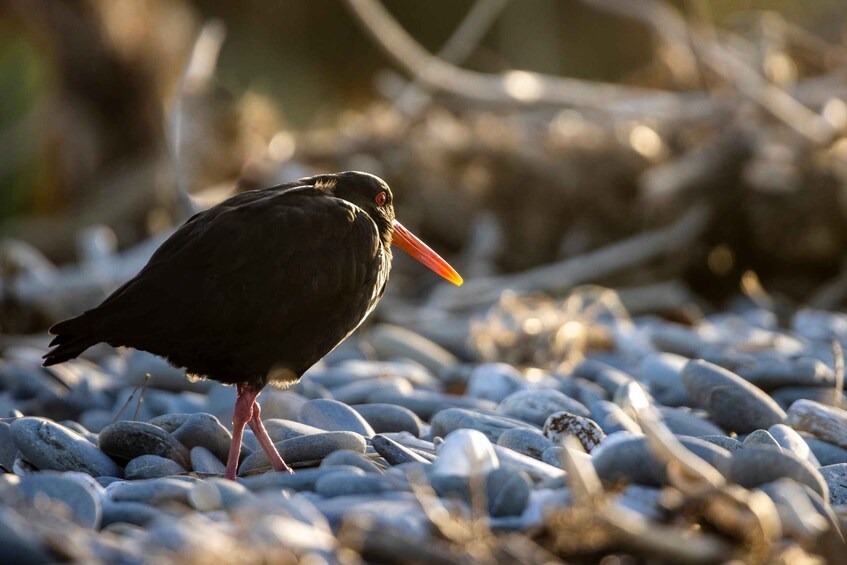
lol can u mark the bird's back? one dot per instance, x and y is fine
(265, 283)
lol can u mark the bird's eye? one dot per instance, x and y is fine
(381, 198)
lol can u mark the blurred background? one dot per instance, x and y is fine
(688, 154)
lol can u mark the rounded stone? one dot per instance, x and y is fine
(81, 498)
(731, 401)
(790, 440)
(535, 406)
(334, 416)
(761, 438)
(826, 422)
(494, 381)
(612, 418)
(492, 426)
(388, 418)
(754, 466)
(836, 480)
(564, 424)
(49, 446)
(303, 449)
(152, 467)
(825, 452)
(128, 440)
(204, 430)
(529, 442)
(150, 491)
(507, 492)
(351, 458)
(205, 462)
(342, 483)
(465, 453)
(662, 373)
(684, 422)
(395, 453)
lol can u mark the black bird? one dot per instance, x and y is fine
(257, 289)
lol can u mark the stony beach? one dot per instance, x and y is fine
(669, 443)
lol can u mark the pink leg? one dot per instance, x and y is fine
(265, 440)
(242, 414)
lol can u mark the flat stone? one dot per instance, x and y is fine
(787, 396)
(351, 458)
(81, 498)
(826, 422)
(753, 466)
(507, 492)
(205, 462)
(777, 373)
(204, 430)
(395, 453)
(611, 418)
(49, 446)
(662, 373)
(825, 452)
(396, 342)
(624, 458)
(791, 441)
(493, 427)
(136, 513)
(169, 422)
(494, 381)
(342, 483)
(537, 470)
(303, 480)
(152, 467)
(305, 449)
(465, 452)
(732, 402)
(425, 403)
(564, 424)
(390, 418)
(836, 480)
(682, 421)
(150, 491)
(8, 449)
(358, 392)
(20, 544)
(729, 443)
(334, 416)
(128, 440)
(536, 405)
(761, 438)
(280, 429)
(606, 376)
(647, 501)
(213, 494)
(531, 443)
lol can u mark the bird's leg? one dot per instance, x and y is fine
(242, 414)
(265, 440)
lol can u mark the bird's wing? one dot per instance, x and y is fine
(255, 255)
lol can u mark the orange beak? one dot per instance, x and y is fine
(408, 242)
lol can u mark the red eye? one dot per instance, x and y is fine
(381, 198)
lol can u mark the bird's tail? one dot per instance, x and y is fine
(73, 336)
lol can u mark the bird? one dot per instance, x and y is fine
(257, 289)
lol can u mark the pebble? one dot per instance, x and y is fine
(647, 501)
(152, 491)
(494, 381)
(136, 513)
(611, 418)
(152, 467)
(395, 453)
(390, 418)
(662, 373)
(342, 483)
(280, 429)
(836, 480)
(564, 424)
(535, 406)
(731, 401)
(492, 426)
(776, 373)
(787, 396)
(465, 452)
(538, 470)
(214, 494)
(128, 440)
(334, 416)
(729, 443)
(359, 391)
(393, 341)
(303, 449)
(8, 449)
(302, 480)
(685, 422)
(351, 458)
(531, 443)
(425, 403)
(626, 458)
(825, 452)
(205, 462)
(169, 422)
(204, 430)
(609, 378)
(826, 422)
(20, 543)
(753, 466)
(78, 496)
(761, 438)
(507, 492)
(49, 446)
(790, 440)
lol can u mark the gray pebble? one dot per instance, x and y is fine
(564, 424)
(662, 373)
(136, 513)
(493, 427)
(150, 491)
(507, 492)
(49, 446)
(342, 483)
(790, 440)
(836, 479)
(281, 430)
(647, 501)
(390, 418)
(825, 452)
(395, 453)
(611, 418)
(206, 431)
(128, 440)
(826, 422)
(535, 406)
(334, 416)
(753, 466)
(684, 422)
(205, 462)
(215, 493)
(152, 467)
(305, 449)
(169, 422)
(425, 403)
(80, 497)
(787, 396)
(8, 449)
(359, 391)
(761, 438)
(20, 544)
(280, 404)
(626, 458)
(729, 443)
(606, 376)
(393, 341)
(538, 470)
(776, 373)
(302, 480)
(494, 381)
(531, 443)
(797, 512)
(731, 401)
(351, 458)
(452, 486)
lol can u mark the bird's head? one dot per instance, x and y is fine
(372, 194)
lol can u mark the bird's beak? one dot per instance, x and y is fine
(408, 242)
